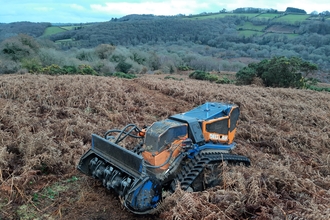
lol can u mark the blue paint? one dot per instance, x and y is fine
(142, 198)
(92, 142)
(209, 110)
(155, 199)
(209, 146)
(225, 147)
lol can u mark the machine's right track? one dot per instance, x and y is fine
(195, 167)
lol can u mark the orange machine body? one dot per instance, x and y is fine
(165, 157)
(220, 130)
(163, 142)
(211, 123)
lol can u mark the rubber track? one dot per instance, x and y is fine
(191, 170)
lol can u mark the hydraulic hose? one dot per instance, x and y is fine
(123, 131)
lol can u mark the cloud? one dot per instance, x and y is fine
(281, 5)
(43, 9)
(77, 7)
(171, 7)
(102, 10)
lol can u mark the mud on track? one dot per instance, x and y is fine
(46, 123)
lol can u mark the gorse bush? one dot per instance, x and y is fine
(184, 68)
(52, 70)
(319, 89)
(245, 76)
(86, 70)
(224, 80)
(277, 72)
(58, 70)
(201, 75)
(69, 69)
(32, 65)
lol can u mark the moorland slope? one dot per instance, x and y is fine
(46, 123)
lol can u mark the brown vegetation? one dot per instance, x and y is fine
(284, 29)
(46, 123)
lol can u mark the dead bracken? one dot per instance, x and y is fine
(46, 124)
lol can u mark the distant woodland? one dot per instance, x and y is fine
(168, 43)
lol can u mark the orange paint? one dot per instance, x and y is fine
(159, 158)
(226, 138)
(142, 133)
(215, 137)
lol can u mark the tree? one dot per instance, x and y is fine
(104, 51)
(314, 13)
(282, 72)
(19, 47)
(124, 67)
(246, 75)
(277, 72)
(154, 61)
(295, 10)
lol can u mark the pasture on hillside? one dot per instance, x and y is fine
(250, 26)
(249, 33)
(292, 18)
(53, 30)
(46, 124)
(220, 15)
(268, 15)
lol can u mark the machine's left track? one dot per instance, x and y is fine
(194, 168)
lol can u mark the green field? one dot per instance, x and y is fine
(291, 36)
(58, 29)
(249, 15)
(268, 16)
(202, 17)
(220, 15)
(69, 27)
(250, 26)
(74, 26)
(53, 30)
(292, 18)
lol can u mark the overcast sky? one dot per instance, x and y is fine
(63, 11)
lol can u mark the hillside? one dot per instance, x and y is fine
(199, 41)
(31, 28)
(225, 35)
(256, 22)
(46, 123)
(196, 28)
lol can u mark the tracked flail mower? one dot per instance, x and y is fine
(176, 150)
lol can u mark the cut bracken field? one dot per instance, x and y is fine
(46, 124)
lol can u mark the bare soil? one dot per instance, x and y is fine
(46, 123)
(283, 29)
